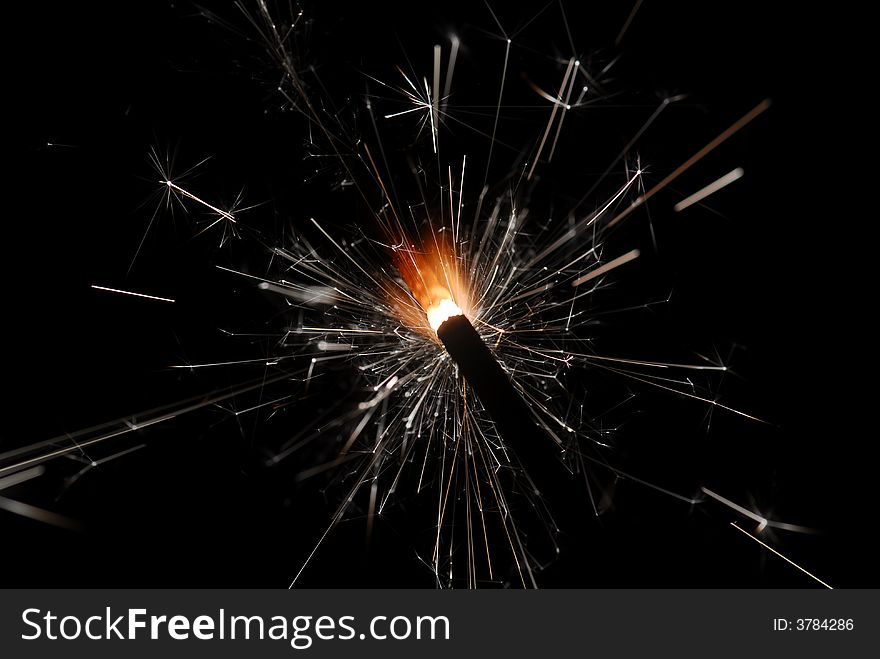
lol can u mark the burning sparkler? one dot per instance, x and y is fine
(463, 308)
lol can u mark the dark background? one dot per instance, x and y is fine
(757, 276)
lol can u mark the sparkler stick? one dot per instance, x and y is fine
(493, 387)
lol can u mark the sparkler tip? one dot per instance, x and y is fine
(441, 311)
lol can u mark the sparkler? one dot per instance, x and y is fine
(529, 293)
(465, 311)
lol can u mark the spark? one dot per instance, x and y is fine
(629, 20)
(450, 68)
(435, 103)
(38, 514)
(783, 557)
(710, 189)
(143, 295)
(21, 477)
(557, 102)
(601, 270)
(763, 522)
(222, 215)
(26, 509)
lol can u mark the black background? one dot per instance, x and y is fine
(758, 276)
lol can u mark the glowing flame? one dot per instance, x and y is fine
(430, 272)
(440, 311)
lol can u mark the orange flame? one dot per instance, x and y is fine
(432, 278)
